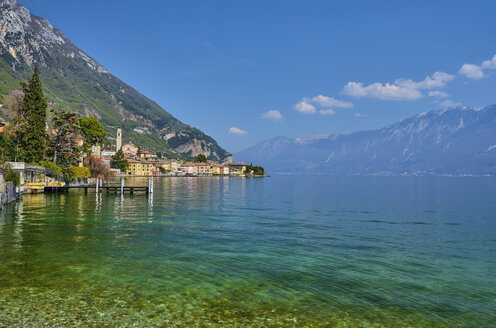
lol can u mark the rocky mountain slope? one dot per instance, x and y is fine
(73, 79)
(457, 141)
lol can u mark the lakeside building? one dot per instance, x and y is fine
(33, 178)
(211, 168)
(196, 168)
(203, 169)
(147, 155)
(188, 168)
(167, 165)
(215, 169)
(237, 168)
(175, 166)
(37, 177)
(141, 168)
(108, 152)
(220, 169)
(130, 150)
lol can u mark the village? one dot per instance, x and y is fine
(146, 163)
(38, 178)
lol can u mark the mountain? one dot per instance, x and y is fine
(456, 141)
(72, 79)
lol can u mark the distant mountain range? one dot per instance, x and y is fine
(74, 80)
(456, 141)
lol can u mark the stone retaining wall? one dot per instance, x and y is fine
(7, 191)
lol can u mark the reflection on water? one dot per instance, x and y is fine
(278, 252)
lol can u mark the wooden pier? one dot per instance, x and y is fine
(102, 189)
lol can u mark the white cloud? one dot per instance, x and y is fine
(325, 101)
(476, 72)
(437, 80)
(237, 132)
(327, 112)
(274, 115)
(471, 71)
(489, 64)
(386, 91)
(308, 105)
(438, 94)
(401, 89)
(360, 115)
(305, 107)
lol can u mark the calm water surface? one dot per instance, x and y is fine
(286, 251)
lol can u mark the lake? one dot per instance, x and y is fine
(284, 251)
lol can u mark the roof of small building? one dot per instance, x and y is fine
(237, 164)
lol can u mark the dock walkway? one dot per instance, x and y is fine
(108, 189)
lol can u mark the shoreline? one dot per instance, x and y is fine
(190, 176)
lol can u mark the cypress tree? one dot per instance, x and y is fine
(32, 139)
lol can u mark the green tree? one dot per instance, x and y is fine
(255, 170)
(50, 166)
(118, 161)
(201, 158)
(92, 132)
(7, 148)
(30, 124)
(65, 127)
(80, 172)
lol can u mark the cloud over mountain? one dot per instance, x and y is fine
(401, 89)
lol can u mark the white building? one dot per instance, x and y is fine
(108, 152)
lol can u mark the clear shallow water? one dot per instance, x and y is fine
(286, 251)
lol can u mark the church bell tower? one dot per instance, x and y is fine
(118, 140)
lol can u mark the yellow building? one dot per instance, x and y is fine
(147, 154)
(219, 169)
(203, 169)
(215, 169)
(141, 168)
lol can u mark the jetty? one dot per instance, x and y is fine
(101, 189)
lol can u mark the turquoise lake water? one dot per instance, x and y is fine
(284, 251)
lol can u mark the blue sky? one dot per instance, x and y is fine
(246, 71)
